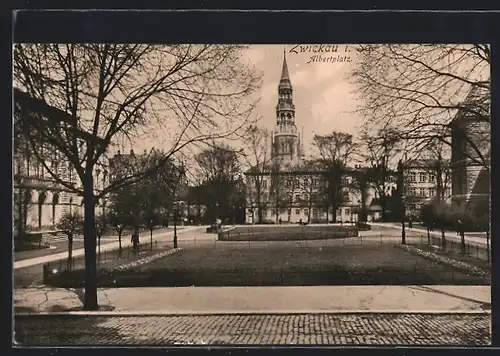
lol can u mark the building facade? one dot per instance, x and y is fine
(39, 200)
(471, 150)
(426, 180)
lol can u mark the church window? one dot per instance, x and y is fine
(297, 198)
(297, 211)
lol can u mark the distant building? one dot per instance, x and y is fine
(426, 180)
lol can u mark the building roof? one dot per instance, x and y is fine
(425, 163)
(39, 113)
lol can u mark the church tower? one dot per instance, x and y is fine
(286, 149)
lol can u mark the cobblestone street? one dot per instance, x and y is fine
(305, 329)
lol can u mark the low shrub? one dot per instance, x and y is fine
(362, 226)
(265, 222)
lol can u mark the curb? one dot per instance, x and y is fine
(248, 313)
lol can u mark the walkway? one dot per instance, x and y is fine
(187, 232)
(244, 300)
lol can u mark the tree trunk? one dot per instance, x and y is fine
(443, 238)
(462, 241)
(428, 236)
(488, 245)
(334, 214)
(90, 242)
(40, 215)
(70, 252)
(119, 244)
(383, 206)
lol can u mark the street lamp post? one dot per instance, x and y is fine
(175, 225)
(105, 173)
(402, 201)
(151, 234)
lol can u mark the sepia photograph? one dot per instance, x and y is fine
(223, 194)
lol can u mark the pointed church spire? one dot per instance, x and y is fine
(284, 71)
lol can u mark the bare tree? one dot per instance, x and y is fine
(361, 183)
(420, 88)
(70, 224)
(258, 156)
(189, 93)
(334, 151)
(292, 185)
(276, 189)
(379, 150)
(219, 167)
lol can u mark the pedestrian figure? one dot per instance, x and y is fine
(410, 224)
(280, 221)
(135, 239)
(459, 223)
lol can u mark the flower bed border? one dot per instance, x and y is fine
(460, 265)
(143, 261)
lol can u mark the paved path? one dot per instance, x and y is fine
(188, 300)
(302, 329)
(186, 233)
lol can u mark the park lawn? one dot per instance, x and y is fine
(227, 265)
(33, 275)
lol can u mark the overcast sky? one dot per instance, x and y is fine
(322, 95)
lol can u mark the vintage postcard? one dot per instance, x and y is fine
(298, 194)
